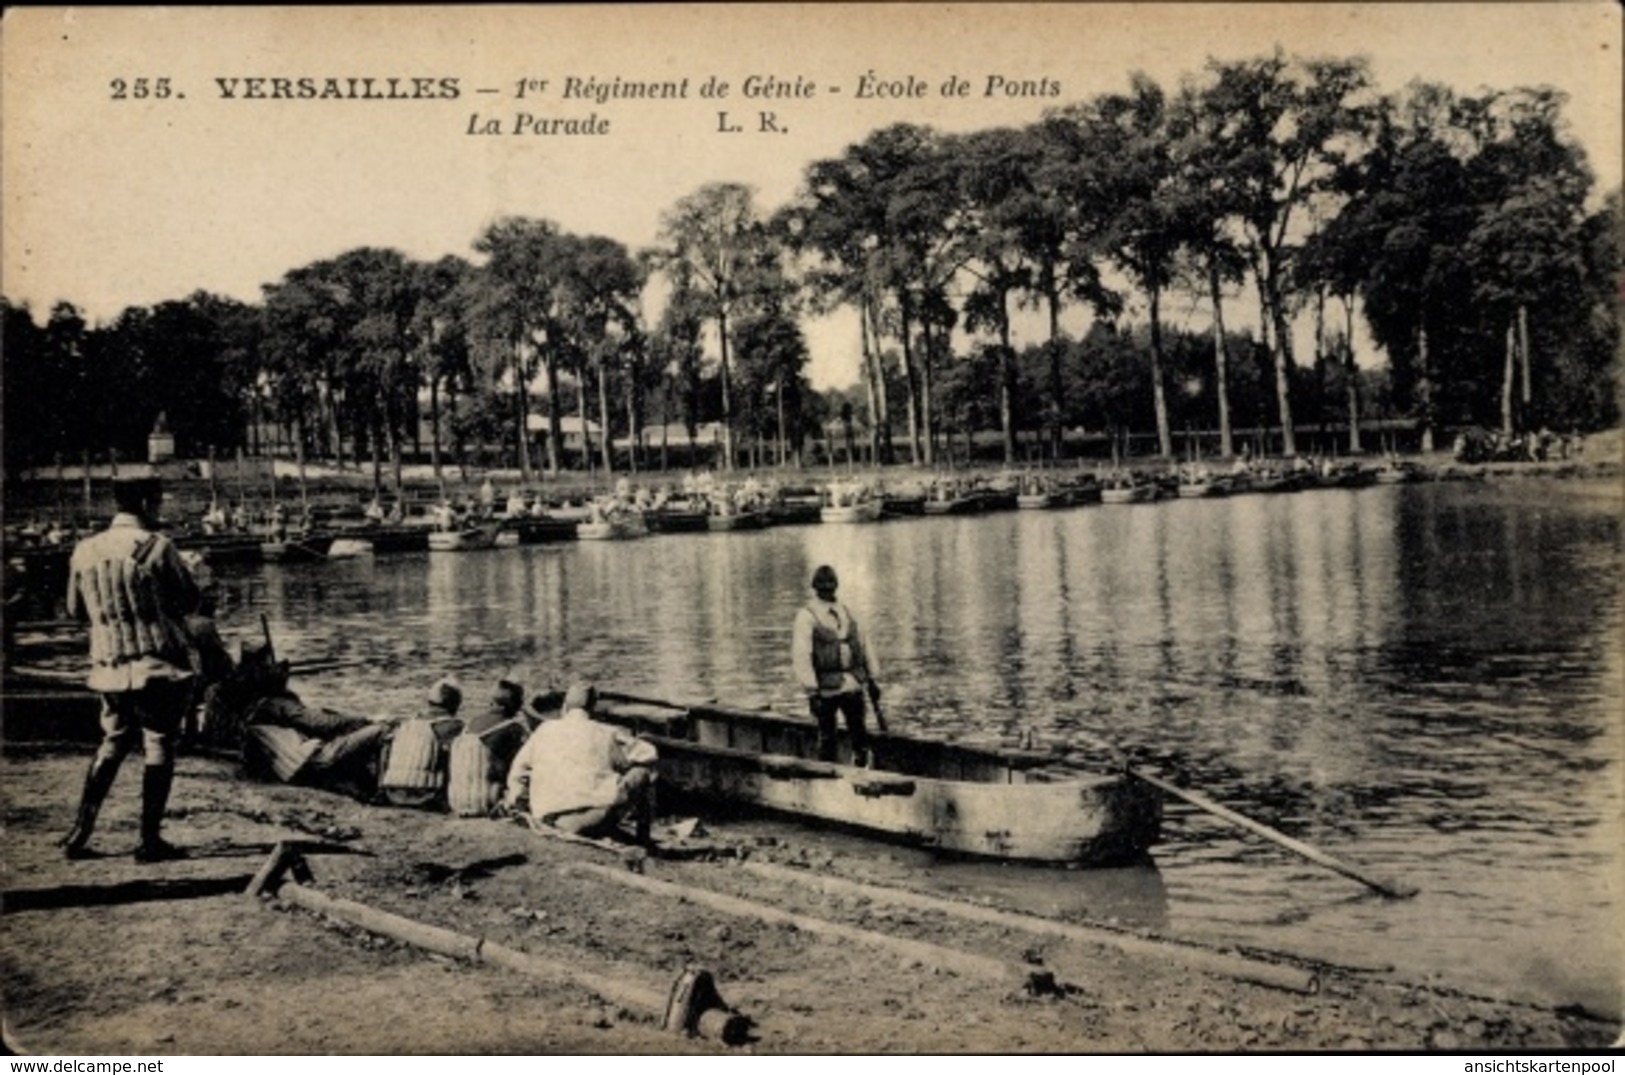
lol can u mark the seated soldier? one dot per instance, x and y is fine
(414, 772)
(582, 776)
(481, 755)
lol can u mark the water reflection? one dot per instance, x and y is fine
(1367, 670)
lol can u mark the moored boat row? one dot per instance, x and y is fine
(713, 508)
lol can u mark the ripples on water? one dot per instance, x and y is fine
(1423, 679)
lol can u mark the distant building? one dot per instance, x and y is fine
(160, 442)
(706, 434)
(569, 430)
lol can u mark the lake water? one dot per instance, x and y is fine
(1425, 680)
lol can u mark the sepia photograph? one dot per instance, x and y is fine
(810, 529)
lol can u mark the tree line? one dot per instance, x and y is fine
(1453, 227)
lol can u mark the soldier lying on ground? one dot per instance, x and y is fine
(253, 712)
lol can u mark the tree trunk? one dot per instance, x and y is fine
(330, 431)
(910, 380)
(727, 394)
(1159, 394)
(1425, 385)
(434, 428)
(1352, 373)
(606, 448)
(1283, 364)
(555, 434)
(1221, 361)
(458, 448)
(1007, 386)
(1057, 389)
(665, 427)
(521, 405)
(927, 412)
(870, 369)
(1509, 378)
(299, 455)
(377, 458)
(1523, 349)
(581, 414)
(882, 412)
(633, 439)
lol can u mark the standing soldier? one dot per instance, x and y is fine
(132, 586)
(833, 666)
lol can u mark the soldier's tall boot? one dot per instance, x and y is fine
(98, 782)
(155, 782)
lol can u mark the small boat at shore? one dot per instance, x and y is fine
(1396, 472)
(975, 801)
(1122, 489)
(851, 503)
(677, 518)
(863, 511)
(465, 539)
(619, 526)
(305, 548)
(349, 548)
(1043, 493)
(736, 519)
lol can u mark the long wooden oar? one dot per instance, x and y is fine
(880, 714)
(1395, 889)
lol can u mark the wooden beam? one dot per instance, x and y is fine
(723, 1025)
(1276, 976)
(1029, 978)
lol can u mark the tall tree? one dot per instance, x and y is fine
(1526, 247)
(1283, 130)
(598, 312)
(440, 336)
(999, 200)
(527, 264)
(1132, 167)
(716, 235)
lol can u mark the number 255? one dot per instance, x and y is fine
(140, 88)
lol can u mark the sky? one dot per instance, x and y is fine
(112, 198)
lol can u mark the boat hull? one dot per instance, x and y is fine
(466, 540)
(539, 530)
(616, 530)
(963, 801)
(743, 520)
(350, 549)
(674, 521)
(305, 549)
(867, 512)
(1136, 494)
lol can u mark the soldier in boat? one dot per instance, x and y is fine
(832, 664)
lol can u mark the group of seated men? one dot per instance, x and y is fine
(569, 772)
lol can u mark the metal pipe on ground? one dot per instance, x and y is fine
(1258, 972)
